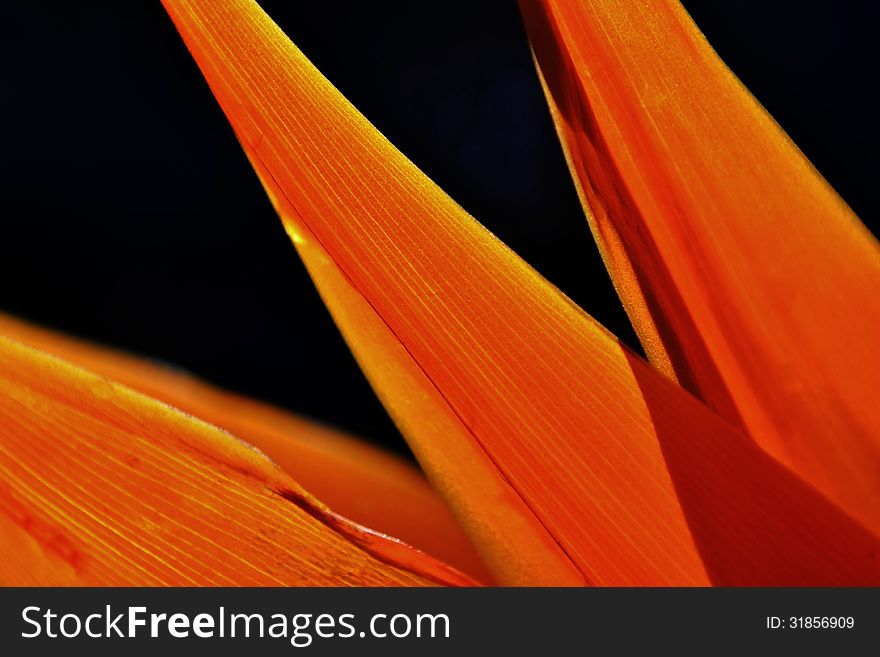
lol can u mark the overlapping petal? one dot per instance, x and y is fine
(568, 459)
(747, 278)
(353, 478)
(100, 485)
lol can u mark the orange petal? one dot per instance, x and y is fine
(356, 480)
(103, 486)
(747, 278)
(568, 459)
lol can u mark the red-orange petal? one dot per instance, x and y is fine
(100, 485)
(354, 479)
(569, 460)
(747, 278)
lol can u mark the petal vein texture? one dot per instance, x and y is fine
(747, 278)
(567, 459)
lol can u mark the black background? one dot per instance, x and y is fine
(130, 215)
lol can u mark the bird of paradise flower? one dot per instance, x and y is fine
(747, 451)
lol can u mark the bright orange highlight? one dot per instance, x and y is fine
(747, 278)
(568, 459)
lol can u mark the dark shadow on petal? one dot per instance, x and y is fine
(754, 522)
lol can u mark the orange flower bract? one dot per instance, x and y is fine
(746, 277)
(746, 453)
(103, 486)
(354, 479)
(567, 459)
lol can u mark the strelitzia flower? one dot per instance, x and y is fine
(747, 451)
